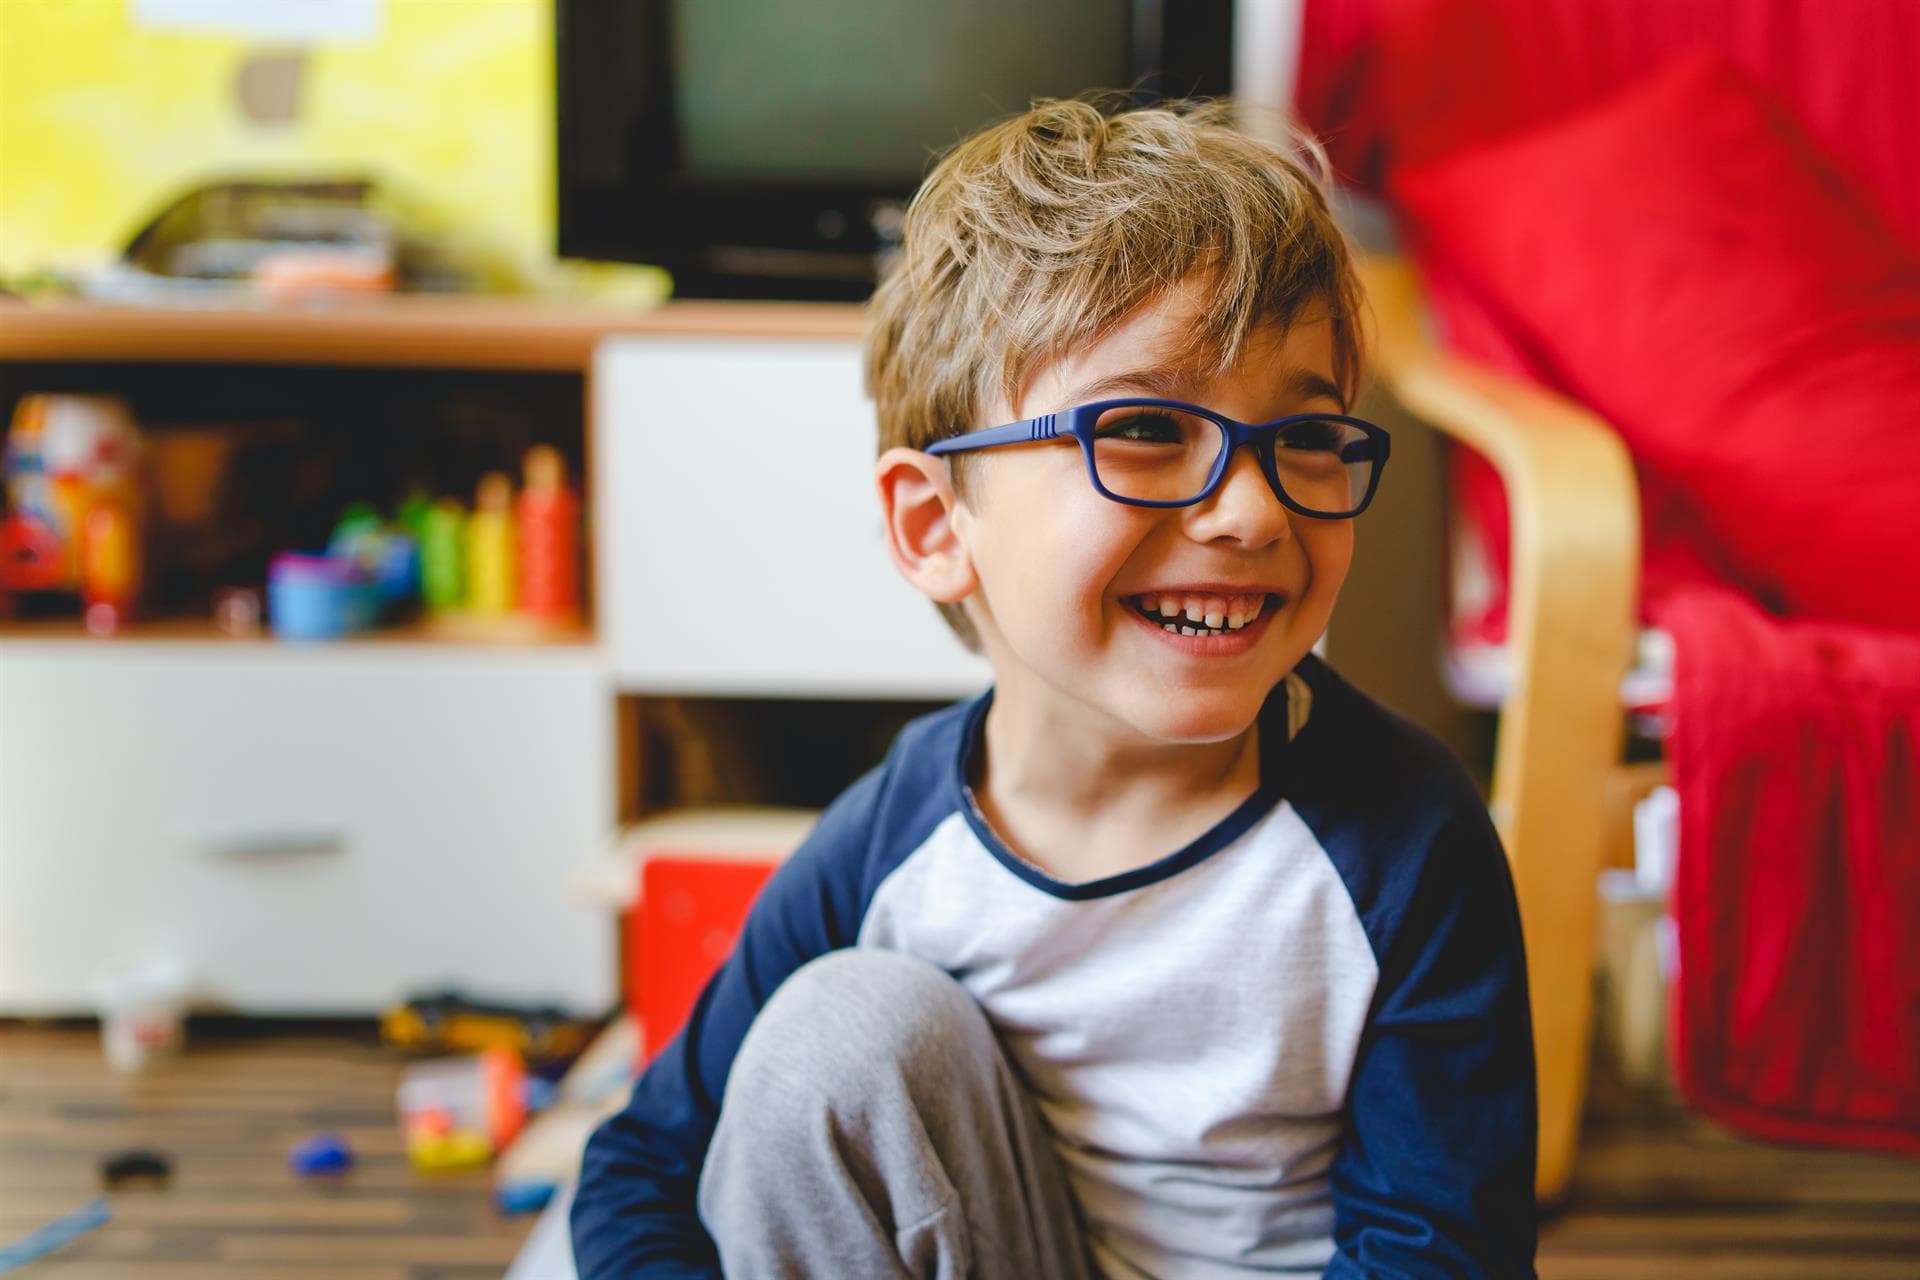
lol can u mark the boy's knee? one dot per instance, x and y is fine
(852, 1020)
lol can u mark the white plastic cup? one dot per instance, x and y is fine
(142, 1012)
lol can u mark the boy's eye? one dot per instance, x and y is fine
(1144, 428)
(1331, 437)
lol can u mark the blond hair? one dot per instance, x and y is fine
(1037, 236)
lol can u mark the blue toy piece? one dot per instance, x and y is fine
(538, 1094)
(524, 1196)
(318, 597)
(324, 1153)
(61, 1231)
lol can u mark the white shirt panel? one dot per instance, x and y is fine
(1188, 1041)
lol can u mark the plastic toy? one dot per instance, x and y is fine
(236, 611)
(75, 503)
(524, 1196)
(56, 1234)
(492, 578)
(448, 1020)
(412, 513)
(136, 1164)
(458, 1112)
(323, 1153)
(549, 528)
(443, 555)
(318, 597)
(143, 1010)
(389, 554)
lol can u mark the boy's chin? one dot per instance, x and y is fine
(1194, 721)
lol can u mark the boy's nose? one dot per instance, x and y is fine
(1244, 508)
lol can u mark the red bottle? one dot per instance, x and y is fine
(549, 527)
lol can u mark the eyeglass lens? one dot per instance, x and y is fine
(1157, 454)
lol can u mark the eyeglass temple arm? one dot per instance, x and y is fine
(1371, 449)
(1041, 428)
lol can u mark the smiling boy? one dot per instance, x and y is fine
(1172, 955)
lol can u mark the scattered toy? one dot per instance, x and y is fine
(320, 1155)
(449, 1020)
(136, 1164)
(61, 1231)
(460, 1112)
(527, 1196)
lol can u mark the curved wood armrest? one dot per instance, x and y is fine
(1575, 511)
(1572, 603)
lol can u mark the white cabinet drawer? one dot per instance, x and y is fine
(308, 829)
(739, 534)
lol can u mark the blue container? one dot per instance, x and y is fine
(318, 597)
(399, 568)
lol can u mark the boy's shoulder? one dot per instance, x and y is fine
(1354, 749)
(895, 806)
(1392, 807)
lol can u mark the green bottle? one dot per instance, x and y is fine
(443, 554)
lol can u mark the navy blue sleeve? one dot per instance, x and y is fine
(1435, 1174)
(634, 1212)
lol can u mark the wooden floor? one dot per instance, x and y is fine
(1657, 1194)
(228, 1112)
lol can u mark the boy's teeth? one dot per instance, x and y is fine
(1201, 615)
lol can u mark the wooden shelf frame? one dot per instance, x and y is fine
(418, 331)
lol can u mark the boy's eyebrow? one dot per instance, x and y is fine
(1176, 382)
(1308, 385)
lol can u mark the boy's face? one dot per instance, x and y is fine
(1063, 573)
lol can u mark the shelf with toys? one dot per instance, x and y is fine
(146, 508)
(427, 787)
(315, 827)
(166, 466)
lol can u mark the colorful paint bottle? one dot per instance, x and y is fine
(109, 567)
(492, 575)
(549, 524)
(443, 555)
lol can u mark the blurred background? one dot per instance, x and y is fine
(420, 634)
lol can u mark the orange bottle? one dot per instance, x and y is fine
(549, 521)
(109, 566)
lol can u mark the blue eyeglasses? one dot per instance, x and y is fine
(1166, 453)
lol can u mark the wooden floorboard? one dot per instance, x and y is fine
(1657, 1194)
(227, 1113)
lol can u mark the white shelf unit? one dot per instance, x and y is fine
(323, 829)
(740, 548)
(310, 829)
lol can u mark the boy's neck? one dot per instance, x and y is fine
(1082, 804)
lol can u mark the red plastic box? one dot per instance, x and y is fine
(690, 912)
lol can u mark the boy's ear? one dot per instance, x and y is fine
(918, 503)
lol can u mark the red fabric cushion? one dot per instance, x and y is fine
(1683, 261)
(1392, 84)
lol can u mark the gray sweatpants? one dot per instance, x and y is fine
(872, 1128)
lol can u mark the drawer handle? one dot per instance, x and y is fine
(266, 846)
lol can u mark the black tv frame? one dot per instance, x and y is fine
(625, 197)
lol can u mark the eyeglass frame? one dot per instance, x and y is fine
(1079, 421)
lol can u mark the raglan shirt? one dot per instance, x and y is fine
(1299, 1045)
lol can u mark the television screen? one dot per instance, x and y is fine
(855, 90)
(765, 148)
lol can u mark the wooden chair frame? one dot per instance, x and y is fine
(1573, 590)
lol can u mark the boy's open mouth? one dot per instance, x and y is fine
(1191, 615)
